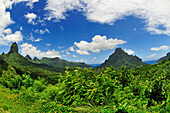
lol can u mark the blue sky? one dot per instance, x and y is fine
(86, 30)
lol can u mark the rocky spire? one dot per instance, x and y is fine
(14, 48)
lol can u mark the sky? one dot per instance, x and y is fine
(86, 30)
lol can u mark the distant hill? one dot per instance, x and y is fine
(165, 57)
(60, 63)
(119, 58)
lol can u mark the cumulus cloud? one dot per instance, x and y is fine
(98, 43)
(33, 51)
(16, 37)
(81, 52)
(156, 13)
(58, 8)
(29, 2)
(129, 51)
(71, 48)
(151, 56)
(160, 48)
(5, 16)
(7, 31)
(31, 17)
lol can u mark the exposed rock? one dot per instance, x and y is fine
(14, 48)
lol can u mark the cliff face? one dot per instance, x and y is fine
(14, 48)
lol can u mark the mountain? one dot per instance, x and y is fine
(14, 48)
(36, 60)
(119, 58)
(23, 65)
(60, 63)
(36, 67)
(165, 57)
(28, 57)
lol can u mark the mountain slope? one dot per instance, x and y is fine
(60, 63)
(165, 57)
(119, 58)
(22, 64)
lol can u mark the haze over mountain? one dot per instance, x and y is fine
(120, 58)
(165, 57)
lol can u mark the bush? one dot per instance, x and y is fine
(11, 79)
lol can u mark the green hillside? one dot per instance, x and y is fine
(60, 63)
(22, 65)
(120, 58)
(141, 90)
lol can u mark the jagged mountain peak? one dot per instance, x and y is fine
(119, 58)
(28, 57)
(35, 59)
(14, 48)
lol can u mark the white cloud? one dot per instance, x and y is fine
(75, 56)
(5, 17)
(48, 44)
(33, 51)
(156, 13)
(98, 43)
(151, 56)
(33, 39)
(71, 48)
(29, 2)
(68, 53)
(38, 39)
(8, 31)
(160, 48)
(60, 47)
(31, 17)
(16, 37)
(129, 51)
(42, 31)
(81, 52)
(57, 8)
(21, 28)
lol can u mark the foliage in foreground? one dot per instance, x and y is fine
(145, 89)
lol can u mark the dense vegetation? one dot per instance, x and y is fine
(109, 90)
(119, 58)
(22, 65)
(59, 63)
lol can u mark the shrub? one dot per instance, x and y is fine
(10, 78)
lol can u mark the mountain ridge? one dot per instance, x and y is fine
(120, 58)
(164, 57)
